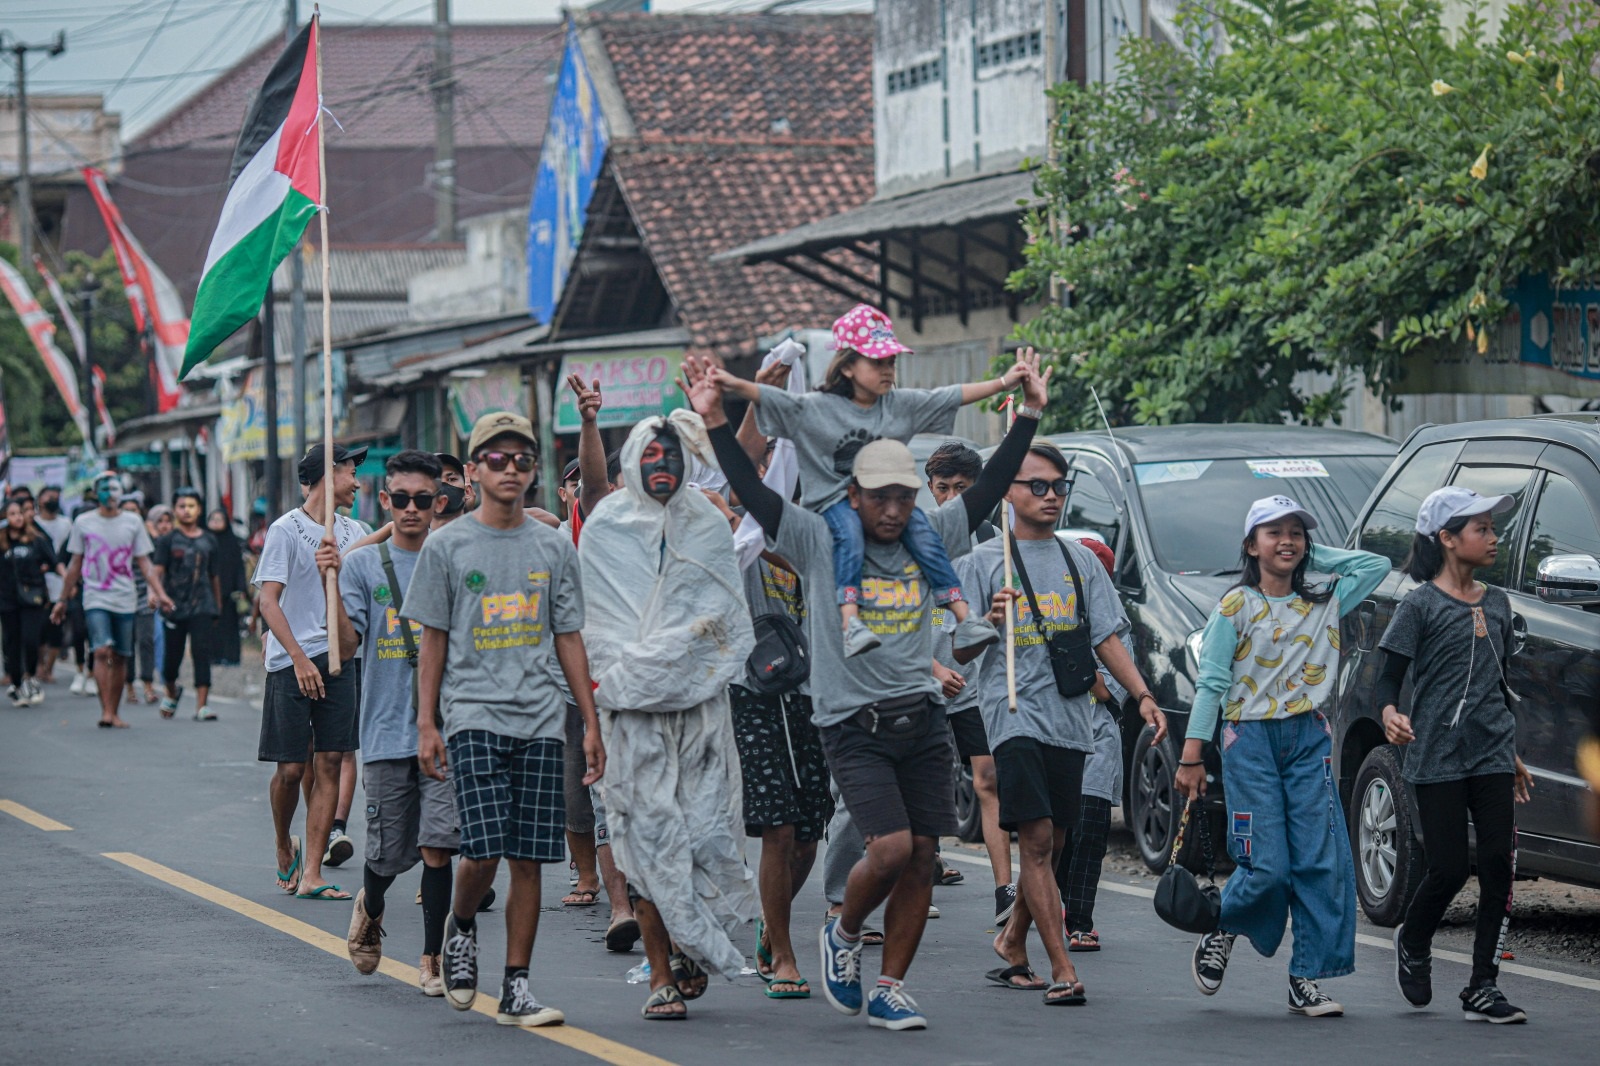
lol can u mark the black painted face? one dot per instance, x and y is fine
(661, 466)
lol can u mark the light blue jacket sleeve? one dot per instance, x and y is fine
(1359, 573)
(1217, 645)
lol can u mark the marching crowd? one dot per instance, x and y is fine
(754, 631)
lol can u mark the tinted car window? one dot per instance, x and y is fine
(1092, 505)
(1393, 521)
(1500, 481)
(1563, 524)
(1195, 510)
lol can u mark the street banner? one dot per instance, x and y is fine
(274, 190)
(157, 307)
(80, 344)
(97, 380)
(42, 330)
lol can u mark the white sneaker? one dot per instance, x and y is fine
(339, 850)
(858, 638)
(91, 687)
(76, 688)
(35, 693)
(17, 696)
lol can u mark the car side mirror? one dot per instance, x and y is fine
(1570, 579)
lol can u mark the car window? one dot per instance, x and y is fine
(1092, 505)
(1510, 481)
(1393, 521)
(1563, 524)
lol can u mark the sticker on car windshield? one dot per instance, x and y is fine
(1287, 467)
(1162, 473)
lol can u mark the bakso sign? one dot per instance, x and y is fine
(633, 385)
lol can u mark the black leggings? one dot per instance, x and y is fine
(198, 631)
(1442, 810)
(20, 628)
(1078, 871)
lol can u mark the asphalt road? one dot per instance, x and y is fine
(147, 929)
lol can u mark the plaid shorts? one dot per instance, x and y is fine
(508, 796)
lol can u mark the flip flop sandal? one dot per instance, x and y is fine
(763, 953)
(1074, 998)
(290, 881)
(800, 989)
(622, 934)
(330, 892)
(1005, 978)
(686, 969)
(949, 875)
(1084, 941)
(580, 897)
(871, 938)
(661, 997)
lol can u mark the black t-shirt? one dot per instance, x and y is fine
(22, 567)
(188, 564)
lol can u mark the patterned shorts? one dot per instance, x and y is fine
(785, 774)
(508, 796)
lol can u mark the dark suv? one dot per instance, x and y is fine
(1549, 547)
(1171, 501)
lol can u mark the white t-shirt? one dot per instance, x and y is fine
(57, 529)
(289, 556)
(110, 548)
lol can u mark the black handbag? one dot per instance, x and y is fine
(780, 662)
(1183, 901)
(1071, 651)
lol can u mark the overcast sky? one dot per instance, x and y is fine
(146, 56)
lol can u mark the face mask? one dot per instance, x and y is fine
(50, 506)
(661, 467)
(455, 498)
(105, 495)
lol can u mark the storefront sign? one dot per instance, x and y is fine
(633, 385)
(471, 398)
(242, 429)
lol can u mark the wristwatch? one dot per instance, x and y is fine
(1029, 412)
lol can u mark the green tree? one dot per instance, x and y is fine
(1347, 182)
(37, 415)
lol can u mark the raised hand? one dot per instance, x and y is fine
(589, 402)
(701, 388)
(1035, 383)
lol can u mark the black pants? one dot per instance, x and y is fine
(1442, 809)
(199, 632)
(1078, 870)
(20, 628)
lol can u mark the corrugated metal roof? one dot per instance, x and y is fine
(375, 272)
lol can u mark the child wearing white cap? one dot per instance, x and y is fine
(1454, 634)
(1266, 658)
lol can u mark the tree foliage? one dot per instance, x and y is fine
(1347, 181)
(36, 413)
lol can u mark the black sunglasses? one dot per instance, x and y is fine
(498, 461)
(399, 501)
(1039, 486)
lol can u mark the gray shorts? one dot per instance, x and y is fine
(1102, 772)
(406, 810)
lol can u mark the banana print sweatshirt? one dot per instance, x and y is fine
(1265, 657)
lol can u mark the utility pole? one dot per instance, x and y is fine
(269, 396)
(444, 133)
(24, 203)
(88, 289)
(297, 286)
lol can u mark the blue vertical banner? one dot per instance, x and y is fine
(574, 150)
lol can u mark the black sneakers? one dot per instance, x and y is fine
(518, 1007)
(460, 965)
(1485, 1003)
(1306, 998)
(1210, 962)
(1005, 901)
(1413, 974)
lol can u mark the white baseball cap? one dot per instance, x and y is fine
(1271, 508)
(882, 463)
(1445, 505)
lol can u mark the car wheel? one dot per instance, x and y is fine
(1154, 818)
(1387, 857)
(969, 817)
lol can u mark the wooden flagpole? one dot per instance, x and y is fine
(331, 591)
(1011, 613)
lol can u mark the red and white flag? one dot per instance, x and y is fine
(42, 329)
(80, 344)
(157, 307)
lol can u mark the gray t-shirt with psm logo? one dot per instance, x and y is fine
(828, 430)
(503, 595)
(1455, 650)
(388, 717)
(896, 604)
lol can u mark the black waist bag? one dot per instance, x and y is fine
(1071, 651)
(780, 661)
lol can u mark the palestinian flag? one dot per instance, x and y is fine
(275, 189)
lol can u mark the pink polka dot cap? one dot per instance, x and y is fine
(867, 330)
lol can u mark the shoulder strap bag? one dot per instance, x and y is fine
(405, 626)
(1071, 651)
(1183, 901)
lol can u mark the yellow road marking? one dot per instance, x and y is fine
(570, 1036)
(33, 817)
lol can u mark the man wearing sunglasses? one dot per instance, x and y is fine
(498, 596)
(1040, 749)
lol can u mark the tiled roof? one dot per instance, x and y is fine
(376, 85)
(370, 272)
(744, 126)
(693, 204)
(763, 79)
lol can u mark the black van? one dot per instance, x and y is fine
(1171, 502)
(1549, 565)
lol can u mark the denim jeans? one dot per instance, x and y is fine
(1286, 832)
(918, 538)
